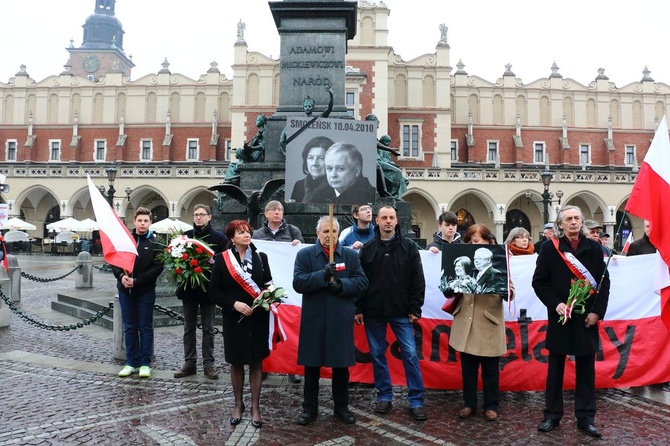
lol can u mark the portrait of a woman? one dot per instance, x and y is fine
(463, 282)
(314, 168)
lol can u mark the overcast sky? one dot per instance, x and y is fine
(581, 36)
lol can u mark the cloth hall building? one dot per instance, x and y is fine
(467, 144)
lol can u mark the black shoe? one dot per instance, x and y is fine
(264, 375)
(345, 415)
(185, 371)
(590, 429)
(547, 425)
(306, 417)
(257, 424)
(383, 406)
(295, 379)
(418, 413)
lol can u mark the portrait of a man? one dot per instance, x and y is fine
(344, 173)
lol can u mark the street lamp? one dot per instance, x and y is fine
(111, 176)
(547, 196)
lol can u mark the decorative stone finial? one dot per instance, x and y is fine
(554, 71)
(213, 67)
(508, 70)
(166, 67)
(22, 71)
(645, 75)
(460, 65)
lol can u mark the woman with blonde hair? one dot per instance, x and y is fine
(518, 242)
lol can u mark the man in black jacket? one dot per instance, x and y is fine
(137, 295)
(194, 298)
(394, 297)
(574, 256)
(643, 245)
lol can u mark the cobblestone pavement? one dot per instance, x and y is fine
(61, 388)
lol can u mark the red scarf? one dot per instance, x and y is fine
(327, 251)
(515, 250)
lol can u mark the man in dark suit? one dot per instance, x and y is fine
(573, 255)
(489, 279)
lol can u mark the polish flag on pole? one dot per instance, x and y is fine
(629, 240)
(647, 202)
(118, 247)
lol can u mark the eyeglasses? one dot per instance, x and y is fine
(522, 237)
(364, 208)
(200, 215)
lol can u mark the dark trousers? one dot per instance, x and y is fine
(207, 310)
(490, 378)
(585, 389)
(340, 388)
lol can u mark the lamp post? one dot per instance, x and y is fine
(547, 196)
(111, 177)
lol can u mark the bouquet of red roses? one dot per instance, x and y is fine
(187, 260)
(580, 290)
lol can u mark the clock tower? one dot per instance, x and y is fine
(102, 49)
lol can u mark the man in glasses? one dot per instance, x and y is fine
(362, 230)
(276, 229)
(195, 298)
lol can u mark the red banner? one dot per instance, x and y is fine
(633, 338)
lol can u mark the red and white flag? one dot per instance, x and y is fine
(118, 246)
(629, 240)
(647, 202)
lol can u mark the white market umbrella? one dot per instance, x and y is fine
(67, 224)
(89, 225)
(169, 226)
(18, 224)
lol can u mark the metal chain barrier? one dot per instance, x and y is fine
(28, 318)
(105, 268)
(173, 314)
(45, 280)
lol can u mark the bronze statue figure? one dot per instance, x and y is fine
(251, 152)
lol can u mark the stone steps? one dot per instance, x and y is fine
(83, 305)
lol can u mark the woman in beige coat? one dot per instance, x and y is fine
(478, 333)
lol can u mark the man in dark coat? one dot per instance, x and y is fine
(643, 245)
(194, 298)
(327, 322)
(578, 336)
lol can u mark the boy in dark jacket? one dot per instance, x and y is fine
(137, 295)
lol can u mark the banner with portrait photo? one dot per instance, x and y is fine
(330, 161)
(476, 269)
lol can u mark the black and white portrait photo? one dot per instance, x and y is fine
(331, 161)
(475, 269)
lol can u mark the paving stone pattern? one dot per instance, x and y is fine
(60, 388)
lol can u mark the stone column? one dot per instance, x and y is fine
(84, 275)
(14, 274)
(5, 312)
(119, 344)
